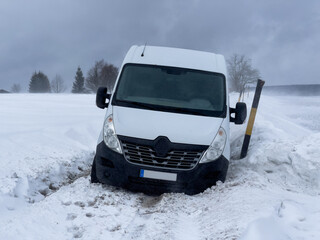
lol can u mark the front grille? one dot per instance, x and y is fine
(174, 159)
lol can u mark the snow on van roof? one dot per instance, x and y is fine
(176, 57)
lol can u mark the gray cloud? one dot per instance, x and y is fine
(281, 37)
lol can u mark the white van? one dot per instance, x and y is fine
(166, 127)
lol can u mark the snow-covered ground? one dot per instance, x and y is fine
(47, 143)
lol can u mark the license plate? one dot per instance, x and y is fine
(158, 175)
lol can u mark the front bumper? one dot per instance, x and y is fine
(112, 168)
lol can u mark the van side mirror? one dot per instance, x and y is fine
(101, 97)
(240, 113)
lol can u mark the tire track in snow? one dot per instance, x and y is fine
(188, 228)
(151, 220)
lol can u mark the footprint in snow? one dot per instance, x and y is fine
(148, 201)
(71, 216)
(80, 204)
(89, 215)
(77, 231)
(68, 203)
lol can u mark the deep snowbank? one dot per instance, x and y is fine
(46, 141)
(285, 155)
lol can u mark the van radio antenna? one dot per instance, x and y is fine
(142, 54)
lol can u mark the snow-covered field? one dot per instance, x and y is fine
(46, 147)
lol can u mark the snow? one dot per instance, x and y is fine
(47, 143)
(45, 139)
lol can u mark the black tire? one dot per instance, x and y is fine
(94, 178)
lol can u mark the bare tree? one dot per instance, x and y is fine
(101, 74)
(241, 73)
(16, 88)
(93, 78)
(109, 75)
(57, 84)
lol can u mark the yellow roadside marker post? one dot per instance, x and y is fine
(252, 117)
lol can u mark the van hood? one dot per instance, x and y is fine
(179, 128)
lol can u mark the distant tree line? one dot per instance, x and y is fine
(241, 76)
(101, 74)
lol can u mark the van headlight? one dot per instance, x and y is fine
(109, 135)
(216, 148)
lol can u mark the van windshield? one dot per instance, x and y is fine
(171, 89)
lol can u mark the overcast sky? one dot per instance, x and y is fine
(281, 37)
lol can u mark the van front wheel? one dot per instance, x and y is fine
(94, 178)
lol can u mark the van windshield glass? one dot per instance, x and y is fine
(171, 89)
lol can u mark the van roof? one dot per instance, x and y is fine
(176, 57)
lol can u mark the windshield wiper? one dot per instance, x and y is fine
(169, 108)
(190, 111)
(138, 104)
(166, 108)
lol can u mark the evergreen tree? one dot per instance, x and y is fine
(78, 84)
(39, 83)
